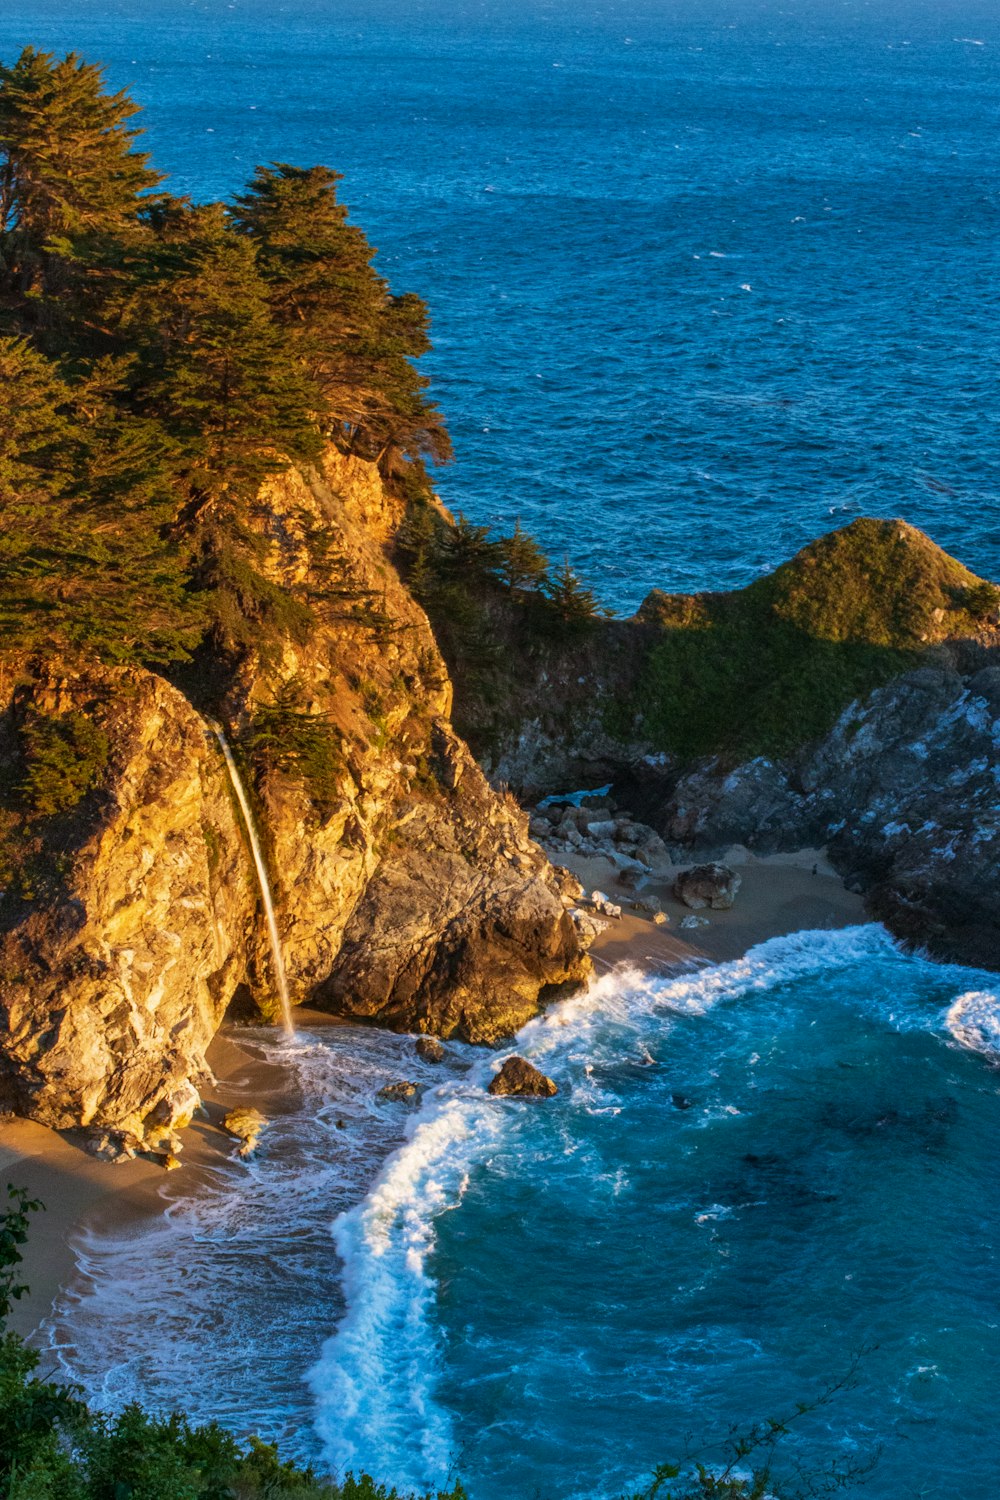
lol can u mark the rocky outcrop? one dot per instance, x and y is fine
(518, 1076)
(123, 921)
(407, 891)
(904, 794)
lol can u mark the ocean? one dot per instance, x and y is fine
(707, 277)
(758, 1180)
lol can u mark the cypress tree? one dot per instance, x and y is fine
(572, 601)
(68, 166)
(85, 499)
(215, 368)
(523, 564)
(359, 341)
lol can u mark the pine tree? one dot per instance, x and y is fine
(523, 564)
(85, 498)
(572, 601)
(68, 167)
(359, 342)
(215, 368)
(467, 552)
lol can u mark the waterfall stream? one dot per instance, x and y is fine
(277, 960)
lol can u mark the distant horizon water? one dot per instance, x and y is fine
(707, 278)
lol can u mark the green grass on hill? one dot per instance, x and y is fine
(767, 668)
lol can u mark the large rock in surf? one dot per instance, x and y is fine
(518, 1076)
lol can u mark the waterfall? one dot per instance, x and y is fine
(277, 960)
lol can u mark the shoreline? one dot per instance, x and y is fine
(779, 895)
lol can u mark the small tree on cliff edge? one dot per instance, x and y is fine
(571, 600)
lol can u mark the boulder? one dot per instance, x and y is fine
(176, 1110)
(430, 1049)
(404, 1092)
(711, 885)
(518, 1076)
(588, 927)
(246, 1125)
(112, 1145)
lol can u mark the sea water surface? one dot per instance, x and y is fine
(707, 277)
(752, 1175)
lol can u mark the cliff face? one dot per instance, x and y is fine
(125, 915)
(903, 793)
(849, 699)
(406, 890)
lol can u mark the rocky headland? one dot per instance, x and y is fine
(848, 702)
(408, 891)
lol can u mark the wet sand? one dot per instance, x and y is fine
(779, 895)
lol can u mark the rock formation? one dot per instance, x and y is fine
(518, 1076)
(848, 700)
(711, 885)
(408, 892)
(903, 792)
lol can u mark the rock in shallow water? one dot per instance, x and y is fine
(711, 885)
(246, 1125)
(518, 1076)
(403, 1092)
(430, 1049)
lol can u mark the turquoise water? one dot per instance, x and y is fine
(750, 1176)
(708, 277)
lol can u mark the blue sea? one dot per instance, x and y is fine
(707, 278)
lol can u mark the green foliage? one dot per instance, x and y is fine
(13, 1237)
(770, 667)
(64, 755)
(523, 564)
(304, 745)
(68, 166)
(357, 340)
(159, 359)
(84, 500)
(573, 604)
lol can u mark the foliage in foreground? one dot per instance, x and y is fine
(52, 1447)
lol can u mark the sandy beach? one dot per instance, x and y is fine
(779, 895)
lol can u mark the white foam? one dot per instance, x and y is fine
(974, 1021)
(374, 1380)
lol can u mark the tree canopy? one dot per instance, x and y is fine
(159, 358)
